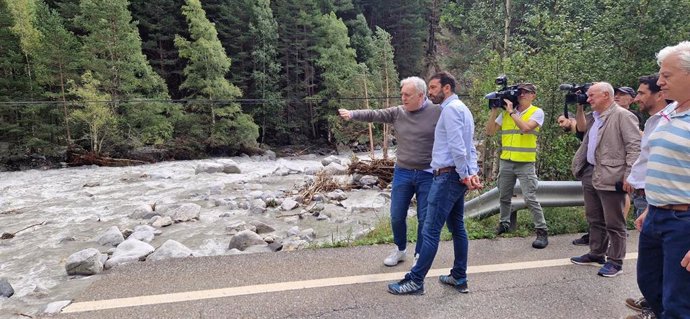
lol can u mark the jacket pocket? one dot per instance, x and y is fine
(610, 171)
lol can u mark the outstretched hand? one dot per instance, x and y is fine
(345, 114)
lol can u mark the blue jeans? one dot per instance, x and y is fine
(664, 240)
(406, 183)
(446, 205)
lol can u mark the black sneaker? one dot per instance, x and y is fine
(459, 284)
(406, 287)
(542, 239)
(588, 259)
(502, 228)
(582, 241)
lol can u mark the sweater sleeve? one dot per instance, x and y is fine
(387, 115)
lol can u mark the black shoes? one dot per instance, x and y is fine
(542, 239)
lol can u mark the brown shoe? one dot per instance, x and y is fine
(637, 304)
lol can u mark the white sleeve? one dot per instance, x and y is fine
(538, 116)
(499, 118)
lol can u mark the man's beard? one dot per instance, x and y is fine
(437, 99)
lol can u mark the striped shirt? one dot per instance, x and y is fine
(668, 169)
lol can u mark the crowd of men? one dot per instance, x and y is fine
(619, 160)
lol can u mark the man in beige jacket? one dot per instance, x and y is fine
(610, 147)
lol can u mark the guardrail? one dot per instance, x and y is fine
(549, 194)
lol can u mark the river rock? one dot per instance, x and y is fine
(368, 180)
(257, 206)
(130, 250)
(270, 154)
(184, 212)
(308, 234)
(238, 226)
(245, 239)
(335, 169)
(112, 237)
(293, 231)
(209, 168)
(161, 221)
(170, 249)
(289, 204)
(337, 194)
(294, 244)
(330, 159)
(230, 167)
(85, 262)
(262, 228)
(141, 211)
(6, 289)
(144, 233)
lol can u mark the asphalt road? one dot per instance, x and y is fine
(507, 279)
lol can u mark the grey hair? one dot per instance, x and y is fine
(418, 83)
(605, 87)
(682, 49)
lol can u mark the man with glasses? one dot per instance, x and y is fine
(519, 127)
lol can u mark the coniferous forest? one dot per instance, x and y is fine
(197, 78)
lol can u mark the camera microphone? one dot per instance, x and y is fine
(565, 87)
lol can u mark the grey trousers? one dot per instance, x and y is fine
(604, 212)
(508, 173)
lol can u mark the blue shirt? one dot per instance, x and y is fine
(593, 136)
(453, 137)
(668, 169)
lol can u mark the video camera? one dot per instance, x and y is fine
(505, 92)
(577, 93)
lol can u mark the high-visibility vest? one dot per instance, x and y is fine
(517, 146)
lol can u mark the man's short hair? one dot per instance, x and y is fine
(683, 51)
(417, 82)
(446, 79)
(650, 81)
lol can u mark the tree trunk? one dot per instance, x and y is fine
(506, 30)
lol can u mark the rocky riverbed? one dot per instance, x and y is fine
(111, 216)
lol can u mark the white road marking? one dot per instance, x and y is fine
(295, 285)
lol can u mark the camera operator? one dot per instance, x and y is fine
(519, 128)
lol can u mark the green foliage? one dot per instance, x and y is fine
(204, 80)
(97, 114)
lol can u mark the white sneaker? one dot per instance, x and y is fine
(395, 257)
(414, 263)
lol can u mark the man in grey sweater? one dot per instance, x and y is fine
(414, 123)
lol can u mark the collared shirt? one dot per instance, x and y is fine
(453, 145)
(668, 169)
(593, 137)
(639, 169)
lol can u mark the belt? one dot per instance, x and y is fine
(676, 207)
(639, 192)
(443, 170)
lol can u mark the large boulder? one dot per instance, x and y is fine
(170, 249)
(289, 204)
(330, 159)
(85, 262)
(112, 237)
(261, 228)
(130, 250)
(245, 239)
(209, 168)
(230, 167)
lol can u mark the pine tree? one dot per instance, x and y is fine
(265, 69)
(298, 21)
(205, 79)
(339, 70)
(112, 49)
(159, 21)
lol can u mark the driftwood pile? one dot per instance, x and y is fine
(381, 168)
(322, 183)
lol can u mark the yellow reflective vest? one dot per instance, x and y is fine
(517, 146)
